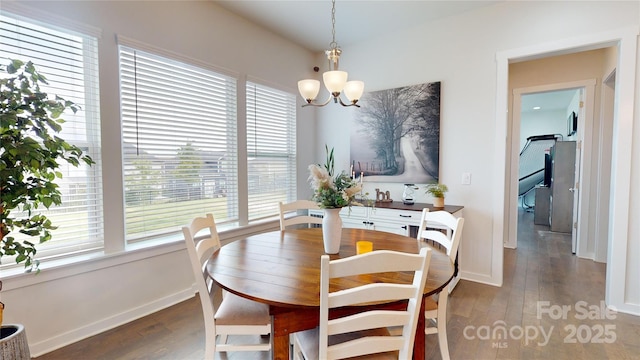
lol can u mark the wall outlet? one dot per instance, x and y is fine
(466, 178)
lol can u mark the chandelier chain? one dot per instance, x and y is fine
(333, 44)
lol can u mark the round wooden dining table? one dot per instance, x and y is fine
(282, 270)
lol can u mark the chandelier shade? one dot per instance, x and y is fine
(309, 89)
(353, 90)
(334, 80)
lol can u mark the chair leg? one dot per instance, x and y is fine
(442, 325)
(442, 340)
(296, 353)
(210, 350)
(209, 342)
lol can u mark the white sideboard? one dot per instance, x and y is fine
(394, 217)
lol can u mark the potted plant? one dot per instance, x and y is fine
(30, 158)
(437, 191)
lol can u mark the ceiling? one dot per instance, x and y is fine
(308, 22)
(547, 101)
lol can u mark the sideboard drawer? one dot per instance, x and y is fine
(403, 217)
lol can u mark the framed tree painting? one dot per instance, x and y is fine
(395, 135)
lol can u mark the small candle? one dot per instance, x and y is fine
(363, 247)
(361, 177)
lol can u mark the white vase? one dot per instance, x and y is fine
(331, 230)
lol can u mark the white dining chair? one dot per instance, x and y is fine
(446, 230)
(289, 213)
(235, 315)
(367, 332)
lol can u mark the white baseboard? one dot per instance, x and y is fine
(479, 278)
(109, 323)
(628, 308)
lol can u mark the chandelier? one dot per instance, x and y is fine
(334, 80)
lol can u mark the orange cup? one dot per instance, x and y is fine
(364, 247)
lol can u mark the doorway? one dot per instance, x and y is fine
(619, 225)
(556, 105)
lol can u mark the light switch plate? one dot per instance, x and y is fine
(466, 178)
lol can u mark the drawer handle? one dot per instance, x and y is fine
(405, 216)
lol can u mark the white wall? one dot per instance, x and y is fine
(542, 123)
(574, 106)
(461, 52)
(62, 305)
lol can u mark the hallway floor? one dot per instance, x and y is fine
(549, 295)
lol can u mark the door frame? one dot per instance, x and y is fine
(626, 40)
(603, 198)
(585, 136)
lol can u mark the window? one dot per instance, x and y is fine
(69, 61)
(179, 144)
(271, 149)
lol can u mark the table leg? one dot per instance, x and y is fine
(281, 347)
(285, 321)
(419, 341)
(280, 336)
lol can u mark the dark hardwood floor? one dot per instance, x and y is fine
(541, 271)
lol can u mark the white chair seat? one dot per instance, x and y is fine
(236, 310)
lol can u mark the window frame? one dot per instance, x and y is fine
(89, 115)
(232, 103)
(271, 93)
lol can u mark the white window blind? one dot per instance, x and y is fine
(179, 144)
(69, 61)
(271, 149)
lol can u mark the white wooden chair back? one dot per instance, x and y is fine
(235, 315)
(433, 222)
(286, 210)
(372, 262)
(432, 225)
(200, 250)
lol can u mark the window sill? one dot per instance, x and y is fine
(16, 277)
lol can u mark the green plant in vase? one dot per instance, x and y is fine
(437, 191)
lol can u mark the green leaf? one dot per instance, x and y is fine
(13, 67)
(47, 202)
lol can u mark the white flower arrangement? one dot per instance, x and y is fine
(332, 192)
